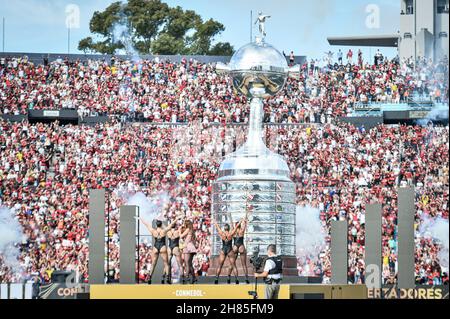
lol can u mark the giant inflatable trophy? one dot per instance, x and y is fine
(254, 180)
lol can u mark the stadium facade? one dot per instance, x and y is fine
(424, 27)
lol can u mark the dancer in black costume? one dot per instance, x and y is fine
(174, 251)
(239, 246)
(227, 251)
(159, 246)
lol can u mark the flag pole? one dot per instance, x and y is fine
(251, 25)
(3, 34)
(68, 40)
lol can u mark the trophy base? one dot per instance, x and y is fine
(289, 266)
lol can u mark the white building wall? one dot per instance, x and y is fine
(420, 43)
(425, 15)
(441, 29)
(407, 36)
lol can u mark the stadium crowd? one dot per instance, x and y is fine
(46, 170)
(163, 91)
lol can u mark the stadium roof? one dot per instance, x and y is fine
(366, 41)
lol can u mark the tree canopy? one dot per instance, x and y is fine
(152, 27)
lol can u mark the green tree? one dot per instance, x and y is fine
(180, 22)
(152, 27)
(167, 44)
(145, 20)
(202, 38)
(102, 24)
(85, 45)
(221, 48)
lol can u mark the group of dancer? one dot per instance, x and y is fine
(167, 245)
(232, 247)
(168, 250)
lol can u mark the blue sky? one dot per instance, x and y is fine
(298, 25)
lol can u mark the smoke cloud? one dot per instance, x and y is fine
(437, 230)
(310, 237)
(439, 112)
(150, 207)
(10, 235)
(122, 35)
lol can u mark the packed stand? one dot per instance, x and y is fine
(47, 170)
(163, 91)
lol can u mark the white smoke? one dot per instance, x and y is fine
(439, 112)
(10, 236)
(310, 237)
(121, 34)
(150, 208)
(437, 230)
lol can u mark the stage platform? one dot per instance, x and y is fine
(225, 291)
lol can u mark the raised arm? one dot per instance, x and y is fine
(170, 226)
(219, 231)
(184, 233)
(147, 224)
(234, 231)
(231, 218)
(244, 221)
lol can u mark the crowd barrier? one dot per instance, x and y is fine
(69, 116)
(38, 58)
